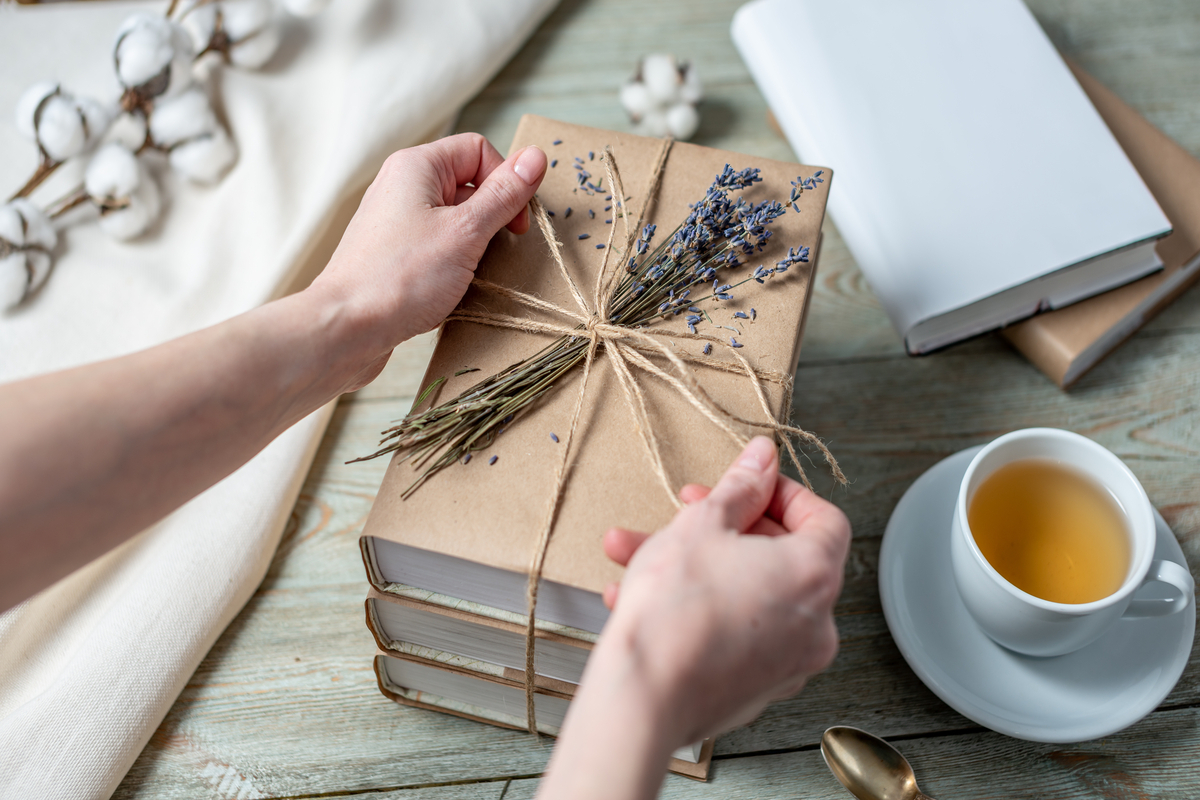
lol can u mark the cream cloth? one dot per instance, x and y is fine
(89, 667)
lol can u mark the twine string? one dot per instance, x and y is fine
(627, 348)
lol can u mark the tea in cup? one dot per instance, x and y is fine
(1051, 539)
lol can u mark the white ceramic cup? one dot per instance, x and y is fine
(1028, 624)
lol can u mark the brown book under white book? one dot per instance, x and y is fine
(448, 565)
(1068, 342)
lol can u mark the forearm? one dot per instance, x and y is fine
(617, 737)
(95, 454)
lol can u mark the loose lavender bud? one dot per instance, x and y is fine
(466, 458)
(591, 214)
(741, 315)
(557, 141)
(734, 342)
(753, 314)
(585, 236)
(554, 436)
(599, 247)
(493, 460)
(707, 348)
(554, 163)
(567, 213)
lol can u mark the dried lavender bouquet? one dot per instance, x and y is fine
(692, 266)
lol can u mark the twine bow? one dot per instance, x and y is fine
(627, 347)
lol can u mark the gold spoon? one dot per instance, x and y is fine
(868, 766)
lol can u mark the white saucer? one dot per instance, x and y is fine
(1093, 692)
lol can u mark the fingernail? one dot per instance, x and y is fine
(530, 164)
(758, 455)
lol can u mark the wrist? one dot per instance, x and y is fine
(349, 335)
(619, 732)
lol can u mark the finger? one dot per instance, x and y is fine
(520, 223)
(620, 544)
(461, 159)
(765, 526)
(746, 488)
(462, 194)
(809, 516)
(792, 502)
(610, 595)
(693, 492)
(504, 193)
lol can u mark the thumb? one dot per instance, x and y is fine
(504, 193)
(745, 490)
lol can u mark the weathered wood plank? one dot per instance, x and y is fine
(977, 766)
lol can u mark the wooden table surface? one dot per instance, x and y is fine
(285, 705)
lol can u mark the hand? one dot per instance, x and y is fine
(411, 249)
(727, 608)
(731, 605)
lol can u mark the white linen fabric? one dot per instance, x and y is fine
(89, 667)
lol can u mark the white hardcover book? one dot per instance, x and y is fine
(976, 183)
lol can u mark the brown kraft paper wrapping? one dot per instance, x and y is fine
(492, 514)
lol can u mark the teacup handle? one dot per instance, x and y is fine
(1170, 573)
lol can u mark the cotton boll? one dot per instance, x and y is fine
(635, 99)
(99, 118)
(63, 126)
(28, 104)
(244, 18)
(26, 237)
(138, 214)
(14, 280)
(36, 224)
(691, 91)
(113, 175)
(654, 123)
(129, 130)
(185, 116)
(153, 55)
(305, 8)
(205, 159)
(257, 49)
(12, 226)
(200, 22)
(661, 77)
(60, 128)
(682, 120)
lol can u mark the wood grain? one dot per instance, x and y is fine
(285, 705)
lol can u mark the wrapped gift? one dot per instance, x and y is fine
(474, 531)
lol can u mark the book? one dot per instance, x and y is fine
(1067, 343)
(470, 531)
(977, 184)
(457, 690)
(467, 634)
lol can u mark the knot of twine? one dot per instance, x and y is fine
(626, 347)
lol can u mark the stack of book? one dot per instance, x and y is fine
(985, 183)
(448, 566)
